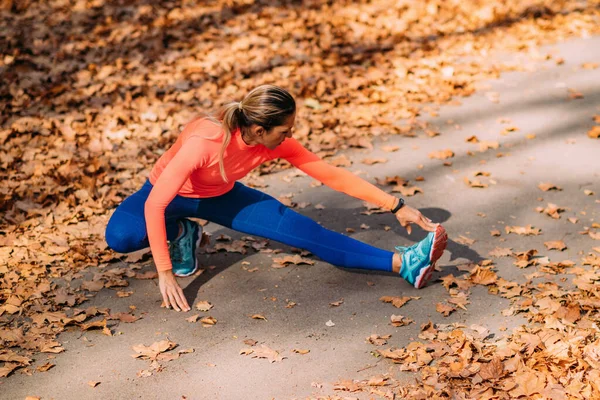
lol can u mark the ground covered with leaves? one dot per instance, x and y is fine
(92, 92)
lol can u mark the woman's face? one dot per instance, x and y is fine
(274, 137)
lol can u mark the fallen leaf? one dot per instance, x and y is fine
(373, 161)
(258, 316)
(483, 276)
(552, 210)
(287, 260)
(152, 351)
(93, 383)
(264, 352)
(396, 301)
(193, 318)
(475, 183)
(548, 186)
(399, 320)
(300, 351)
(594, 133)
(528, 384)
(464, 240)
(492, 370)
(520, 230)
(203, 306)
(555, 245)
(336, 303)
(444, 309)
(379, 340)
(442, 154)
(208, 321)
(486, 145)
(407, 191)
(45, 367)
(501, 252)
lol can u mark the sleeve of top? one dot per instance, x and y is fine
(189, 157)
(336, 178)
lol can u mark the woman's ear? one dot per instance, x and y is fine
(258, 130)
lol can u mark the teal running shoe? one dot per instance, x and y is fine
(183, 249)
(418, 260)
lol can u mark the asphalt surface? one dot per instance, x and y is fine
(537, 102)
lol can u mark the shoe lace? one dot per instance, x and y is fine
(403, 249)
(175, 252)
(412, 256)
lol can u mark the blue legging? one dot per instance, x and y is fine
(246, 210)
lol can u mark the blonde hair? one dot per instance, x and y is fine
(267, 106)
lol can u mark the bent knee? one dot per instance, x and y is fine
(124, 238)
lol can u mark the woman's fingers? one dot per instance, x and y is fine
(426, 224)
(182, 300)
(173, 300)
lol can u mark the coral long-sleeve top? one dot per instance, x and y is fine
(190, 168)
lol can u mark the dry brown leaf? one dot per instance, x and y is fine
(373, 161)
(208, 321)
(152, 351)
(300, 351)
(444, 309)
(337, 303)
(486, 145)
(555, 245)
(483, 276)
(93, 383)
(399, 320)
(204, 306)
(258, 316)
(265, 352)
(287, 260)
(442, 154)
(396, 301)
(464, 240)
(522, 230)
(45, 367)
(378, 340)
(501, 252)
(594, 133)
(475, 183)
(193, 318)
(407, 191)
(548, 186)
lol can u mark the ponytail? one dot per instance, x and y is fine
(229, 119)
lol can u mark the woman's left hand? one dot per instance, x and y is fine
(408, 215)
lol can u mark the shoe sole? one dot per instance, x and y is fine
(440, 238)
(200, 234)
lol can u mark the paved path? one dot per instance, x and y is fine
(535, 102)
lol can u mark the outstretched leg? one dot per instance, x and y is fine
(251, 211)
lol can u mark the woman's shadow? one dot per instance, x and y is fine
(334, 220)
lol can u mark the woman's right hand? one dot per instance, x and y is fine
(172, 293)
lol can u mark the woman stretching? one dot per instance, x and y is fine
(197, 177)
